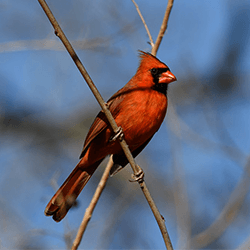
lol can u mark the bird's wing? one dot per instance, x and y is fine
(101, 122)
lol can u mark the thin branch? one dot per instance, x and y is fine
(163, 27)
(91, 207)
(180, 195)
(136, 168)
(145, 25)
(228, 214)
(245, 245)
(118, 209)
(86, 76)
(50, 44)
(192, 136)
(160, 220)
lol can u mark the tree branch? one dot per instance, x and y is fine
(86, 76)
(145, 25)
(163, 27)
(136, 168)
(91, 207)
(227, 215)
(50, 44)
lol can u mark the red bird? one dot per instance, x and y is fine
(139, 108)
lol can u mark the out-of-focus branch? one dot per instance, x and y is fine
(183, 217)
(91, 207)
(50, 44)
(136, 168)
(145, 25)
(163, 27)
(227, 215)
(119, 208)
(245, 245)
(195, 138)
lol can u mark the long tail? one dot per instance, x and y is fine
(66, 195)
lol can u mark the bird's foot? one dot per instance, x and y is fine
(139, 176)
(118, 134)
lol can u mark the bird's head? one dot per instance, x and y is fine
(153, 73)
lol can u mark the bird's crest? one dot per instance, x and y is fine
(149, 61)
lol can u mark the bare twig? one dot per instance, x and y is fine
(145, 25)
(136, 169)
(91, 207)
(195, 138)
(245, 245)
(50, 44)
(86, 76)
(227, 215)
(119, 208)
(163, 27)
(180, 195)
(160, 220)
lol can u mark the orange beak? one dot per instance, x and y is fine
(167, 77)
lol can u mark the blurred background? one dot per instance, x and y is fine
(196, 167)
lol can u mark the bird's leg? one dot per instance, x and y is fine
(139, 176)
(118, 134)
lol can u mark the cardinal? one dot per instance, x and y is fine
(139, 109)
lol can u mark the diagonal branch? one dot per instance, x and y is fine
(227, 215)
(91, 207)
(50, 44)
(145, 25)
(163, 27)
(86, 76)
(136, 168)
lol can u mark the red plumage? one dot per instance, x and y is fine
(139, 108)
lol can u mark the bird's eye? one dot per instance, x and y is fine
(154, 71)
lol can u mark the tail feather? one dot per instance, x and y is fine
(66, 195)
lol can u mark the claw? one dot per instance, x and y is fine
(118, 134)
(139, 176)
